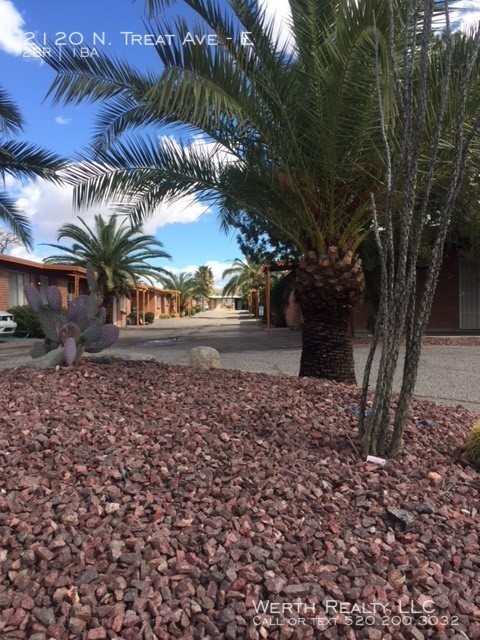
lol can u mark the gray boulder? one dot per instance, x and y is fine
(205, 358)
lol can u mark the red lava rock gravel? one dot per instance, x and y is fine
(142, 501)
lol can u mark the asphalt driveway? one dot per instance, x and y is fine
(447, 374)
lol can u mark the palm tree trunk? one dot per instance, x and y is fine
(326, 345)
(327, 287)
(108, 301)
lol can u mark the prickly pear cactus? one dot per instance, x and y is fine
(80, 328)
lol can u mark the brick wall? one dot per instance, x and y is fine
(445, 315)
(4, 290)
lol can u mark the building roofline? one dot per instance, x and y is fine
(41, 265)
(73, 269)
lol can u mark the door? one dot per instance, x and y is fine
(469, 296)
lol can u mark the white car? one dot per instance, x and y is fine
(7, 324)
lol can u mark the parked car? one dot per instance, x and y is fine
(7, 324)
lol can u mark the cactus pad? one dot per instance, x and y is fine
(93, 333)
(69, 330)
(54, 298)
(109, 336)
(38, 350)
(33, 297)
(70, 351)
(77, 311)
(50, 321)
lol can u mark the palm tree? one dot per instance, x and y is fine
(120, 255)
(203, 283)
(182, 282)
(20, 160)
(301, 127)
(244, 275)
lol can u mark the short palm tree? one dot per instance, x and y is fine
(120, 254)
(182, 282)
(203, 283)
(301, 127)
(244, 275)
(20, 160)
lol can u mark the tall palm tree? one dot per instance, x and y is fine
(203, 283)
(300, 124)
(182, 282)
(20, 160)
(244, 275)
(120, 254)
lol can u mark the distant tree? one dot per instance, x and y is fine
(120, 254)
(20, 160)
(244, 275)
(9, 239)
(260, 241)
(203, 283)
(182, 282)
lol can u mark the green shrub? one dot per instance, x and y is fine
(132, 318)
(27, 322)
(144, 318)
(473, 445)
(174, 315)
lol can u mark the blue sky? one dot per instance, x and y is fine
(189, 232)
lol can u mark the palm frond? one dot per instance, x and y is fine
(11, 120)
(91, 78)
(24, 160)
(12, 216)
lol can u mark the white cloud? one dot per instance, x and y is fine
(279, 12)
(182, 211)
(12, 35)
(25, 254)
(48, 206)
(209, 148)
(61, 120)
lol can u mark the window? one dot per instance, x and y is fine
(42, 283)
(16, 284)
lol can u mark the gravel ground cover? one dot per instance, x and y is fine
(142, 501)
